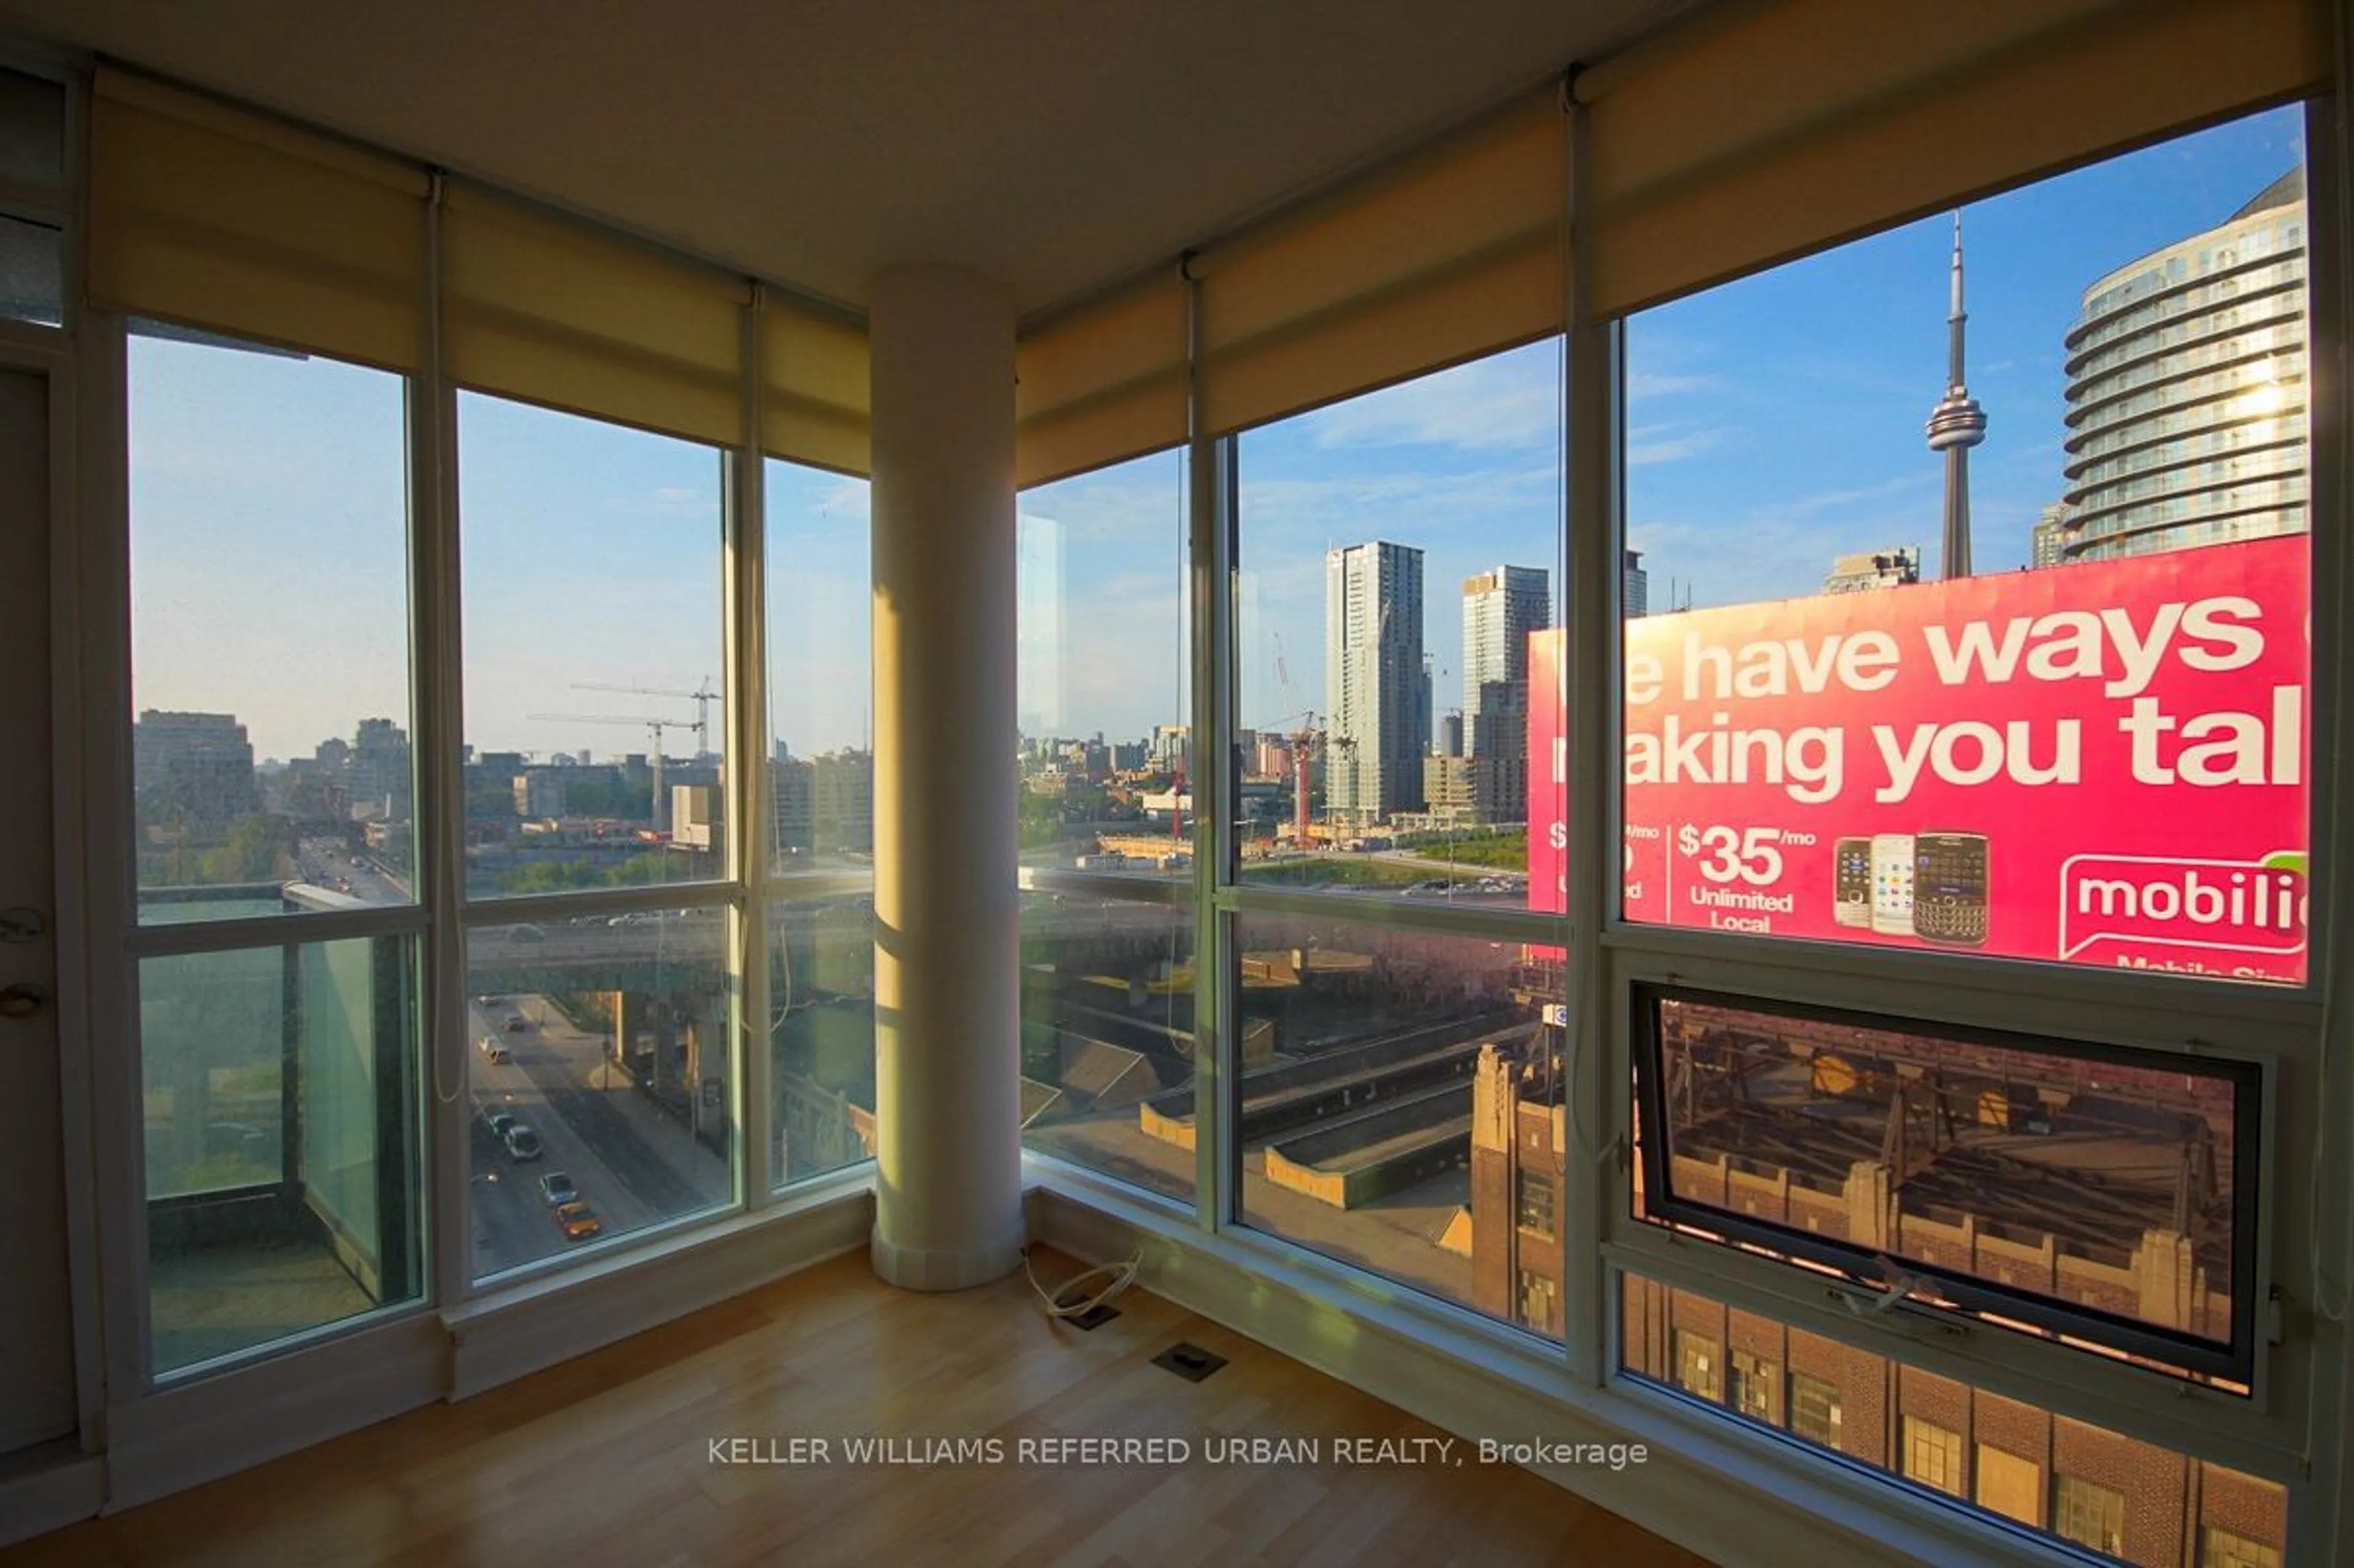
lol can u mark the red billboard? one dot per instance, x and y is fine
(2101, 764)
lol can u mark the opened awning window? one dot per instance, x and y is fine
(564, 315)
(212, 217)
(1776, 130)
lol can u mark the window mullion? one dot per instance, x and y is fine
(1591, 389)
(1209, 522)
(747, 773)
(437, 680)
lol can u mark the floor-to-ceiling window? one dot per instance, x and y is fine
(1394, 959)
(1978, 636)
(820, 845)
(272, 814)
(1110, 775)
(600, 1019)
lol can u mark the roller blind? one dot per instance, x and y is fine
(1793, 126)
(1452, 252)
(557, 313)
(1105, 383)
(211, 217)
(815, 404)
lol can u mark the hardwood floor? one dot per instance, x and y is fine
(606, 1460)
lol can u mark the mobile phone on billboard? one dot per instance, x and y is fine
(1949, 888)
(1892, 883)
(1851, 883)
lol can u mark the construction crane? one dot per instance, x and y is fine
(654, 760)
(702, 696)
(1305, 742)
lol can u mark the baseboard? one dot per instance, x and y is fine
(48, 1489)
(213, 1426)
(1704, 1485)
(183, 1437)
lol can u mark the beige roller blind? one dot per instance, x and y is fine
(1104, 383)
(205, 216)
(815, 403)
(557, 313)
(1794, 126)
(1451, 252)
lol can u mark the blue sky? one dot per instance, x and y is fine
(1772, 424)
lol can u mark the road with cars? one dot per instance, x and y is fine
(630, 1161)
(333, 864)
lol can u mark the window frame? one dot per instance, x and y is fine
(1919, 1434)
(1969, 1294)
(1197, 514)
(2279, 1028)
(2067, 1490)
(114, 907)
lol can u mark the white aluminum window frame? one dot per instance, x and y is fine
(2270, 1433)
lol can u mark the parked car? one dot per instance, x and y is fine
(559, 1190)
(577, 1222)
(521, 1141)
(494, 1049)
(497, 1122)
(517, 1022)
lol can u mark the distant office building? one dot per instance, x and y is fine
(1501, 608)
(193, 768)
(1374, 691)
(2187, 389)
(2047, 545)
(379, 770)
(1634, 587)
(1446, 787)
(1450, 735)
(539, 794)
(1872, 569)
(842, 800)
(792, 806)
(1499, 752)
(696, 811)
(1172, 748)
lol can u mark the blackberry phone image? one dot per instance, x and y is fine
(1949, 888)
(1892, 883)
(1851, 882)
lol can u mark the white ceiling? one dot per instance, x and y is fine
(1053, 145)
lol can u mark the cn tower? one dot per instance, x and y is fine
(1956, 425)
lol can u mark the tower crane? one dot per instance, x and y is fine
(1305, 743)
(702, 696)
(656, 727)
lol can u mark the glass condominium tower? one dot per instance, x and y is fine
(1377, 696)
(2187, 389)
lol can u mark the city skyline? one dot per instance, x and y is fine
(269, 492)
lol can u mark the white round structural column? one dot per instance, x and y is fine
(946, 933)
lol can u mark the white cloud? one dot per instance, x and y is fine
(1507, 403)
(1646, 383)
(1671, 441)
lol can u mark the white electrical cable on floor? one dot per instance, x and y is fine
(1118, 1276)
